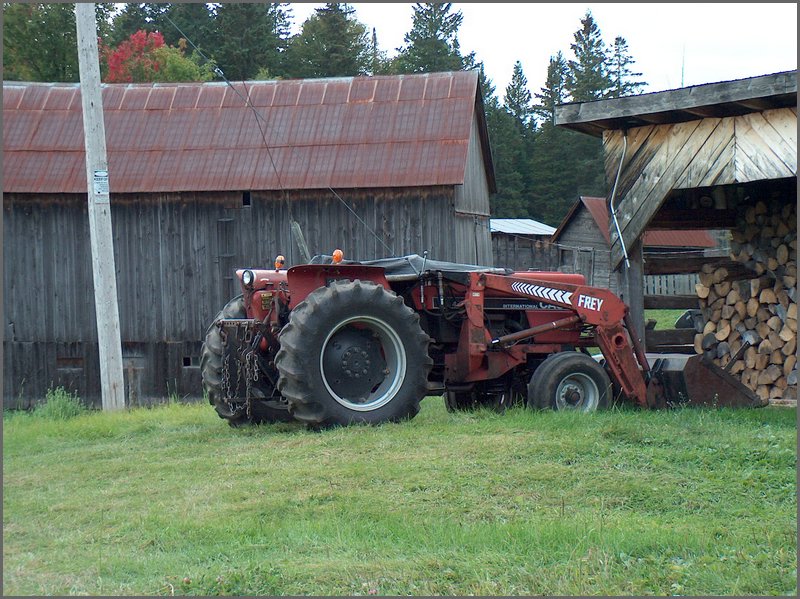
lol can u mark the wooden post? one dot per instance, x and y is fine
(103, 269)
(631, 286)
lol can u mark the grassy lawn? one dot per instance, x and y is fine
(171, 500)
(665, 319)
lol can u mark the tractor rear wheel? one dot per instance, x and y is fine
(212, 358)
(353, 352)
(569, 381)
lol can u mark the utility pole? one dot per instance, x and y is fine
(103, 269)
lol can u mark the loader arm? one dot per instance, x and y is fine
(594, 306)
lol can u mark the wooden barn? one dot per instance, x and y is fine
(722, 155)
(201, 183)
(583, 243)
(522, 244)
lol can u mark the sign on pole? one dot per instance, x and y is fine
(103, 269)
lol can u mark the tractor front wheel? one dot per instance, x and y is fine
(353, 352)
(569, 381)
(212, 359)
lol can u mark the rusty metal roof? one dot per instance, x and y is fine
(598, 209)
(358, 132)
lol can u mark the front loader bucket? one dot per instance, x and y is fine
(681, 380)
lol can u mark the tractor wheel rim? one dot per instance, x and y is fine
(577, 391)
(336, 363)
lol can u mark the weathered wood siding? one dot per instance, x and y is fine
(472, 205)
(524, 253)
(175, 258)
(583, 249)
(702, 153)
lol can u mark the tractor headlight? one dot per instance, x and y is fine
(248, 278)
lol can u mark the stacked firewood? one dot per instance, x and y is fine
(750, 314)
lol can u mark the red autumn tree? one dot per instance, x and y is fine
(144, 58)
(134, 60)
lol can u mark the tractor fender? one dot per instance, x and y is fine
(305, 278)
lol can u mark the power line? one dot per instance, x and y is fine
(259, 117)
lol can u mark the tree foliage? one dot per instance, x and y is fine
(554, 91)
(145, 58)
(250, 37)
(40, 42)
(624, 80)
(432, 44)
(588, 77)
(332, 43)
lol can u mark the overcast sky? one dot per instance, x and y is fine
(674, 45)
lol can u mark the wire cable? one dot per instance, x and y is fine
(259, 117)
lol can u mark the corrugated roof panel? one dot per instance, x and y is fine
(520, 226)
(177, 131)
(336, 92)
(381, 123)
(311, 94)
(386, 89)
(185, 96)
(59, 98)
(76, 173)
(134, 98)
(236, 95)
(229, 123)
(362, 89)
(34, 97)
(160, 98)
(211, 96)
(684, 238)
(306, 123)
(344, 167)
(321, 164)
(287, 94)
(437, 88)
(370, 143)
(18, 130)
(112, 96)
(411, 88)
(356, 123)
(12, 96)
(464, 87)
(261, 95)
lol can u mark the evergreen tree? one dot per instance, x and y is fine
(432, 44)
(40, 42)
(487, 88)
(193, 19)
(623, 82)
(554, 91)
(250, 39)
(518, 98)
(588, 72)
(332, 43)
(135, 17)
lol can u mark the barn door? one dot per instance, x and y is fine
(584, 263)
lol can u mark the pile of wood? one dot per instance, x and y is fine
(750, 316)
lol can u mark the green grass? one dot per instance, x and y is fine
(665, 319)
(170, 500)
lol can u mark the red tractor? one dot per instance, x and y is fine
(337, 342)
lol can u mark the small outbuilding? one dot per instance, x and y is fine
(584, 246)
(721, 156)
(522, 244)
